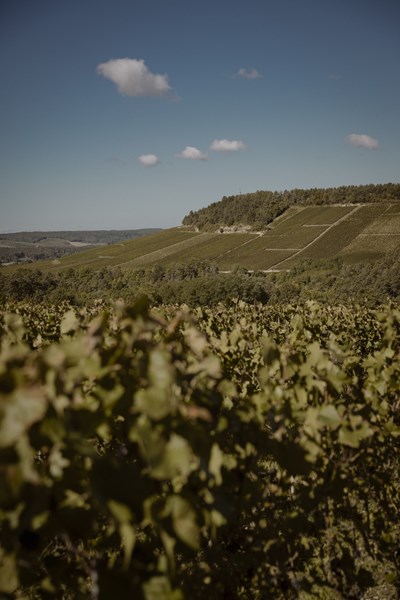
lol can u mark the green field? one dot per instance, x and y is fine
(370, 247)
(353, 232)
(314, 215)
(297, 239)
(209, 246)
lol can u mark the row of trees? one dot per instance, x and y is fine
(101, 236)
(198, 282)
(24, 253)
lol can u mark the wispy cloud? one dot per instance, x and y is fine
(148, 160)
(133, 78)
(193, 153)
(363, 141)
(249, 74)
(227, 145)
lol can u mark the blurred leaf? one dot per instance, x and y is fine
(69, 323)
(353, 437)
(157, 401)
(57, 463)
(216, 463)
(18, 412)
(8, 573)
(177, 459)
(128, 538)
(329, 416)
(196, 340)
(120, 511)
(183, 520)
(159, 588)
(14, 327)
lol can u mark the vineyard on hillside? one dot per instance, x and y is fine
(258, 209)
(260, 231)
(241, 451)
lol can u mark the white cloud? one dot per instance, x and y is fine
(148, 160)
(133, 78)
(193, 153)
(227, 145)
(362, 141)
(249, 74)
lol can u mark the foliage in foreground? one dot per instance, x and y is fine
(243, 452)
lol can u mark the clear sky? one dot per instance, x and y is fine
(123, 114)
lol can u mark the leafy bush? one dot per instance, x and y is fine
(240, 452)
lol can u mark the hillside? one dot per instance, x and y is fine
(353, 233)
(354, 224)
(28, 246)
(258, 209)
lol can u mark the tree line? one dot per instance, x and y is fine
(259, 209)
(200, 283)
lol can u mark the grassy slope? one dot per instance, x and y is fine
(354, 232)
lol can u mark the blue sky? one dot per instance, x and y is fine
(122, 114)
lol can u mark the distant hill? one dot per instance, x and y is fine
(29, 246)
(355, 233)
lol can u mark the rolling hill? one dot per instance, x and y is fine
(355, 232)
(29, 246)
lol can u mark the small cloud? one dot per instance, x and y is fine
(334, 76)
(249, 74)
(133, 78)
(193, 153)
(149, 160)
(227, 145)
(363, 141)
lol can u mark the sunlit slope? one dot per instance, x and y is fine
(381, 235)
(126, 253)
(352, 232)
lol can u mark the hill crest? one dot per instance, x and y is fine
(256, 210)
